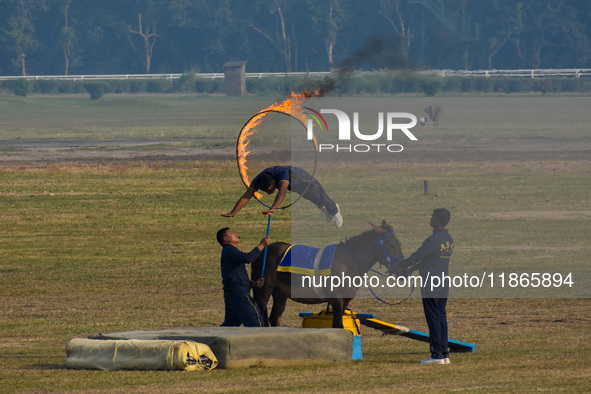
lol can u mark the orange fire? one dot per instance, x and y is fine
(292, 107)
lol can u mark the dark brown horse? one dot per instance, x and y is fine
(352, 258)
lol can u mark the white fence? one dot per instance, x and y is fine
(152, 76)
(570, 73)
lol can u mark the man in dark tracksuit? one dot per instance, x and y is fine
(432, 259)
(240, 306)
(295, 179)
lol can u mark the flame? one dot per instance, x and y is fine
(293, 106)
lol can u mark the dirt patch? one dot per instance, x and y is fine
(551, 215)
(526, 247)
(440, 151)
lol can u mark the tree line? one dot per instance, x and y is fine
(57, 37)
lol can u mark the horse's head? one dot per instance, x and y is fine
(389, 248)
(379, 244)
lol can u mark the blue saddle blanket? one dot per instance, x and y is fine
(306, 260)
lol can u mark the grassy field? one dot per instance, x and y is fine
(98, 246)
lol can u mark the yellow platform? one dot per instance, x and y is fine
(352, 321)
(323, 319)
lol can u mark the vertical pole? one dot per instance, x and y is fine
(265, 256)
(426, 186)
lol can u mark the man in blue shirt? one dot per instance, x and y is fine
(295, 179)
(432, 259)
(240, 306)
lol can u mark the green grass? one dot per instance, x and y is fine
(105, 248)
(114, 117)
(98, 247)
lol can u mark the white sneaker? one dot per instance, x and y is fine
(431, 360)
(327, 215)
(447, 360)
(336, 219)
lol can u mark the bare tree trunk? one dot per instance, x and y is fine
(496, 49)
(281, 42)
(285, 40)
(23, 65)
(66, 43)
(67, 61)
(405, 32)
(400, 27)
(331, 39)
(149, 41)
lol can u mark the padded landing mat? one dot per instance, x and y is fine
(242, 347)
(112, 355)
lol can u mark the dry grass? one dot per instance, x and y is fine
(103, 246)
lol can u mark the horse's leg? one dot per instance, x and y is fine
(261, 296)
(346, 302)
(261, 299)
(279, 303)
(337, 312)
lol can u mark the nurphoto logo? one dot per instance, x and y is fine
(389, 124)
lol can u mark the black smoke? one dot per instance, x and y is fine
(379, 53)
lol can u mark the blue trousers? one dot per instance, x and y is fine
(241, 309)
(436, 317)
(310, 189)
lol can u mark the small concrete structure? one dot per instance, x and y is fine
(242, 347)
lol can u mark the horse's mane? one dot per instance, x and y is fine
(359, 240)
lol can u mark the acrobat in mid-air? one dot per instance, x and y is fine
(294, 179)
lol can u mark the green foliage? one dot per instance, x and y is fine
(138, 86)
(515, 85)
(431, 85)
(186, 83)
(120, 86)
(500, 84)
(404, 82)
(576, 85)
(48, 86)
(159, 86)
(38, 35)
(210, 86)
(468, 84)
(545, 86)
(484, 85)
(96, 89)
(308, 83)
(266, 86)
(23, 87)
(55, 86)
(452, 85)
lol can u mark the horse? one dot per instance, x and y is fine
(353, 258)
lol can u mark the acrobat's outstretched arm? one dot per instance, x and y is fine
(242, 201)
(282, 192)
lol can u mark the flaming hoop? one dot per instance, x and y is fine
(292, 107)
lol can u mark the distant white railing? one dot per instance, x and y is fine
(529, 73)
(152, 76)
